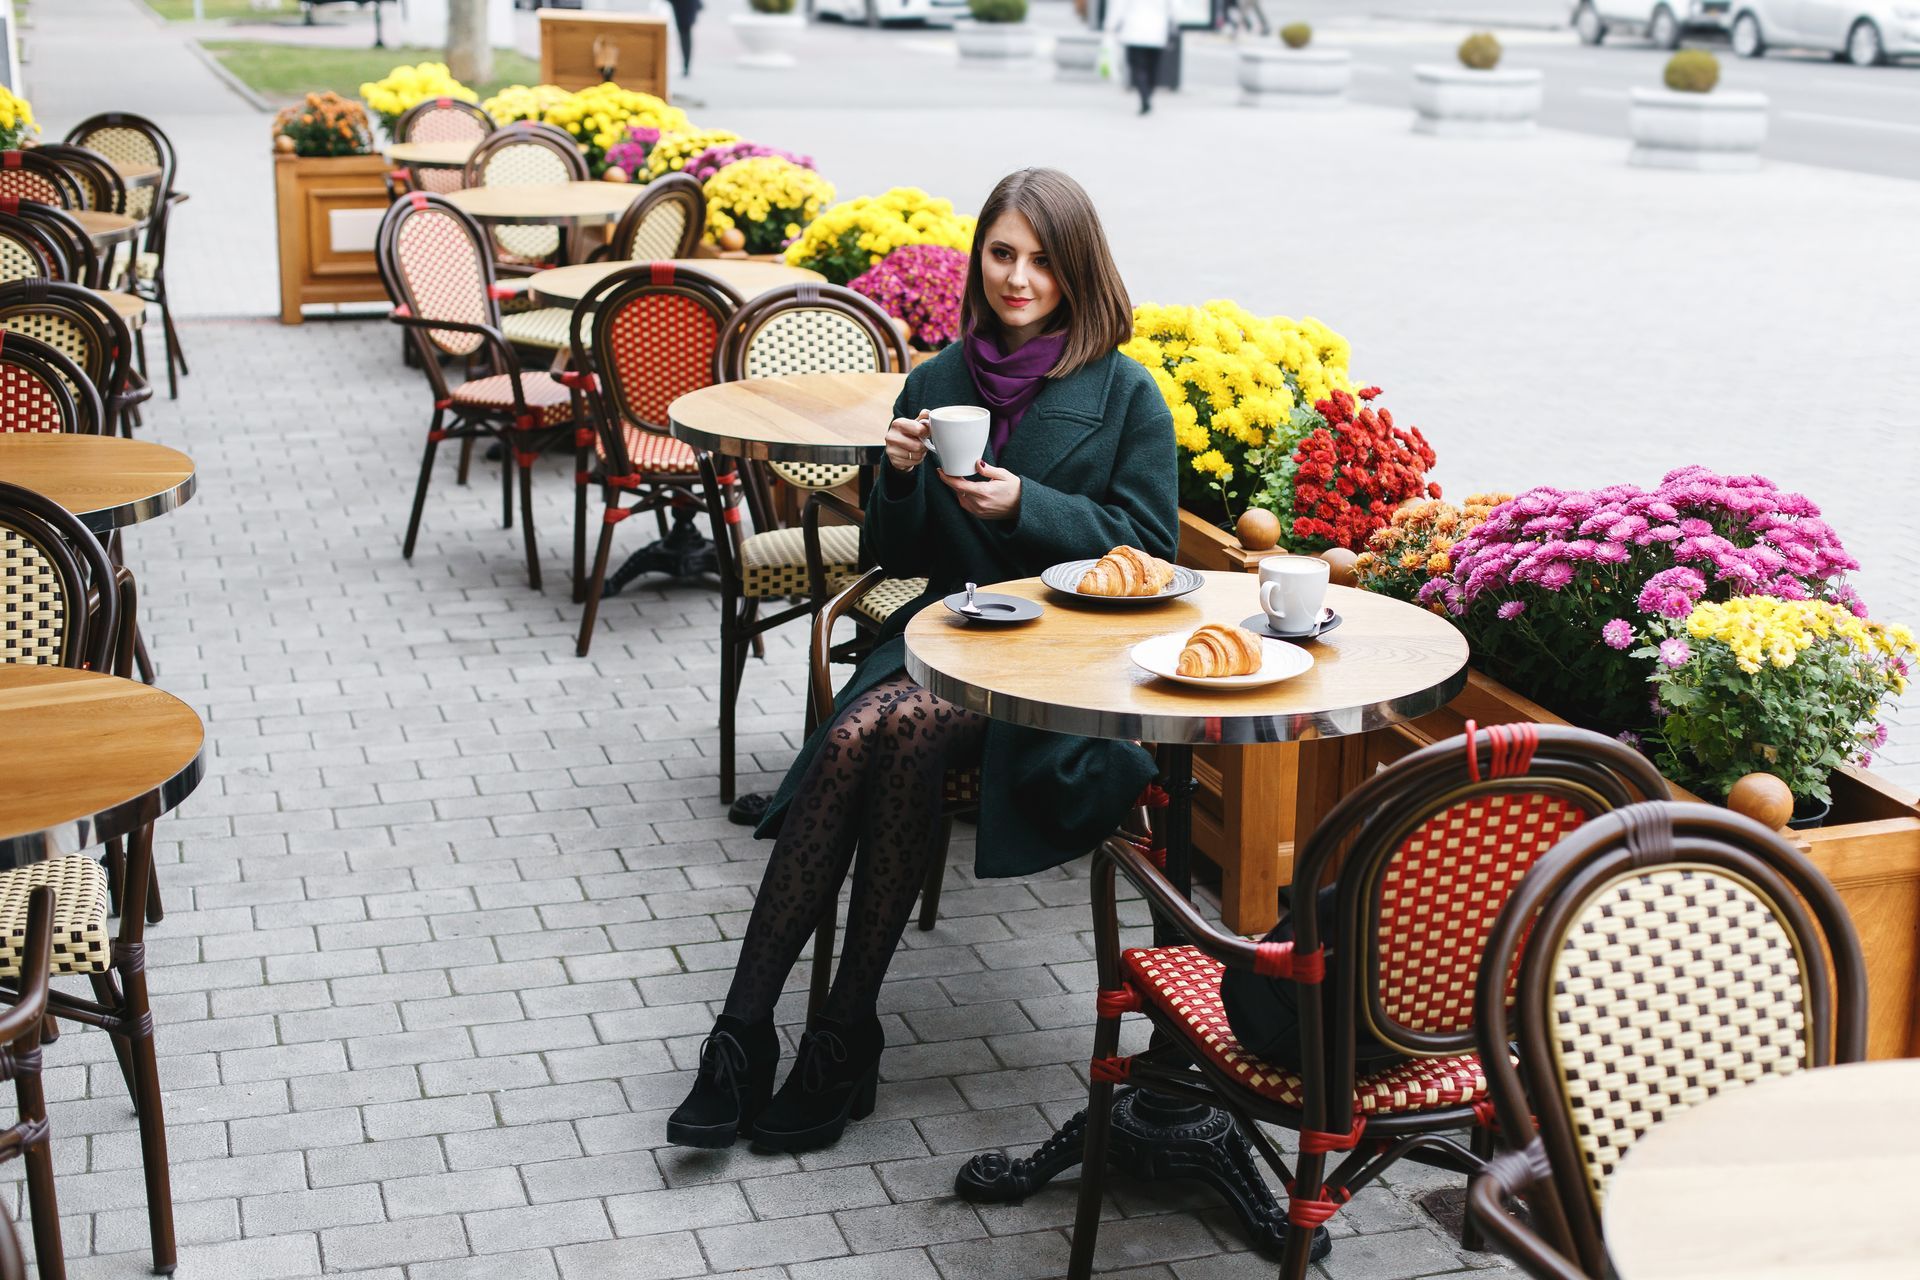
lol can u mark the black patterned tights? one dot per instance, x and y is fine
(875, 782)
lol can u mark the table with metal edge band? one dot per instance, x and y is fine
(130, 307)
(1389, 662)
(88, 758)
(109, 482)
(137, 175)
(565, 286)
(585, 204)
(432, 155)
(106, 229)
(1697, 1197)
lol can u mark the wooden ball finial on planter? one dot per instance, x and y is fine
(733, 240)
(1258, 529)
(1341, 561)
(1762, 797)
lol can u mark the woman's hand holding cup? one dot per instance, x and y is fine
(907, 441)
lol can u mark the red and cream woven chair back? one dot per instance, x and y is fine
(526, 154)
(666, 222)
(42, 390)
(74, 322)
(58, 603)
(1665, 953)
(656, 332)
(441, 120)
(93, 174)
(435, 263)
(130, 141)
(27, 176)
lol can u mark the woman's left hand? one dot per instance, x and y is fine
(993, 493)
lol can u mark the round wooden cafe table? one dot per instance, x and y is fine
(1068, 671)
(108, 481)
(1710, 1194)
(833, 418)
(586, 204)
(565, 286)
(433, 155)
(105, 229)
(136, 175)
(88, 757)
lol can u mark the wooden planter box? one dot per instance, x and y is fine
(639, 42)
(329, 208)
(1244, 822)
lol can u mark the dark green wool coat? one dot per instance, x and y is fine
(1095, 458)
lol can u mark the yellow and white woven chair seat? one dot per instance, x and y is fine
(813, 475)
(81, 943)
(775, 563)
(544, 327)
(891, 596)
(146, 266)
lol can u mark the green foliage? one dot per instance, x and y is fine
(1692, 71)
(772, 6)
(998, 10)
(1296, 35)
(1480, 51)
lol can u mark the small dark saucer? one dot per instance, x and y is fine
(1260, 626)
(993, 608)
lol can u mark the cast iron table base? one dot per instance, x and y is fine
(684, 553)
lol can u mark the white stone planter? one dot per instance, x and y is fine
(994, 41)
(770, 38)
(1076, 55)
(1715, 132)
(1276, 76)
(1459, 102)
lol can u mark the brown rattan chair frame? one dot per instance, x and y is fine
(70, 394)
(526, 133)
(1631, 845)
(602, 387)
(663, 193)
(99, 183)
(26, 252)
(515, 426)
(30, 1136)
(79, 261)
(1339, 990)
(30, 176)
(95, 592)
(437, 120)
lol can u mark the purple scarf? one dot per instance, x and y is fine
(1008, 383)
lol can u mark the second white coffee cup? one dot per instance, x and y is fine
(1292, 591)
(959, 437)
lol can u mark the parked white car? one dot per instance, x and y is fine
(1661, 21)
(876, 12)
(1864, 32)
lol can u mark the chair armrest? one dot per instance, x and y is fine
(23, 1018)
(496, 341)
(1513, 1173)
(820, 675)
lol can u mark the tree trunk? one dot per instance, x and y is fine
(469, 55)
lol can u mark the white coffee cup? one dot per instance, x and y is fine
(1292, 591)
(959, 437)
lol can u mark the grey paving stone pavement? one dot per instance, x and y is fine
(450, 914)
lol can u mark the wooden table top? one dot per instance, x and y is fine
(1699, 1196)
(837, 418)
(108, 481)
(565, 286)
(1068, 671)
(105, 228)
(433, 155)
(88, 757)
(586, 203)
(136, 175)
(130, 307)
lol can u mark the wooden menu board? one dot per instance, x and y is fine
(634, 43)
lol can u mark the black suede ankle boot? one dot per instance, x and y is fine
(736, 1079)
(833, 1080)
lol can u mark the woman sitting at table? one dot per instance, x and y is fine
(1079, 460)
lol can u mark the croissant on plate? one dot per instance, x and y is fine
(1126, 571)
(1216, 650)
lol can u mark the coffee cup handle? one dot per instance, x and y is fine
(1270, 600)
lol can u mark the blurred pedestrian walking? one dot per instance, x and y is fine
(1144, 27)
(1239, 16)
(684, 12)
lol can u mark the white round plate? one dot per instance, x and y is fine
(1278, 661)
(1065, 578)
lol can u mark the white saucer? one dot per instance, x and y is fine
(1278, 661)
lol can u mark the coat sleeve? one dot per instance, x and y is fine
(1139, 508)
(896, 524)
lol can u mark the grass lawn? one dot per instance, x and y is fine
(284, 72)
(182, 10)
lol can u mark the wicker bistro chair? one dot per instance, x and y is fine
(26, 253)
(28, 951)
(667, 221)
(525, 154)
(641, 338)
(99, 183)
(42, 390)
(82, 327)
(434, 261)
(960, 789)
(1432, 846)
(27, 175)
(1666, 952)
(75, 257)
(438, 120)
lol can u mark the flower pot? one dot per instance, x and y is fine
(328, 208)
(1457, 102)
(769, 38)
(1711, 132)
(993, 42)
(1076, 56)
(1276, 76)
(1808, 815)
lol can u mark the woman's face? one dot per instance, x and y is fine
(1019, 284)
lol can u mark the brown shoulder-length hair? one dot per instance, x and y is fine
(1094, 308)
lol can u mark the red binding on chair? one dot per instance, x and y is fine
(1111, 1070)
(662, 273)
(1317, 1142)
(419, 199)
(1122, 999)
(1280, 960)
(1314, 1213)
(1513, 747)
